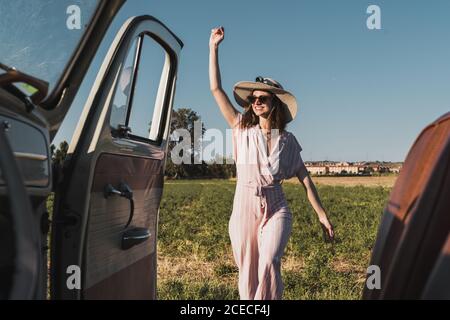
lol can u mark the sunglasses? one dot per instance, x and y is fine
(267, 81)
(262, 99)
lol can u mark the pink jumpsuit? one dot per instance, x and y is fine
(261, 222)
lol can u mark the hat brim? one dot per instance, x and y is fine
(244, 89)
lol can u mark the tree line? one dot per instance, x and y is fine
(183, 118)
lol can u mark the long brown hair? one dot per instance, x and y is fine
(277, 117)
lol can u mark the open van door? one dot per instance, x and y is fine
(22, 266)
(107, 193)
(412, 249)
(42, 63)
(106, 208)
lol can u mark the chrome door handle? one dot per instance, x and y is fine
(134, 237)
(123, 191)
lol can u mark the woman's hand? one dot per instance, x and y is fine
(217, 35)
(313, 197)
(327, 228)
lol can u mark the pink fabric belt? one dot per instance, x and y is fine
(261, 191)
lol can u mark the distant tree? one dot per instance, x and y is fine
(185, 118)
(221, 167)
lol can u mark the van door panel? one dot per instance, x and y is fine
(105, 260)
(91, 226)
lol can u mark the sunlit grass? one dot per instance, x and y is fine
(194, 252)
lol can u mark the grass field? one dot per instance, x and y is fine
(194, 253)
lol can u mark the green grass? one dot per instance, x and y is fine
(194, 252)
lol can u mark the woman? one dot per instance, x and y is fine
(261, 221)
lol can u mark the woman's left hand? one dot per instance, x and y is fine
(327, 228)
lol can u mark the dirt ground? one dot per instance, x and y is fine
(385, 181)
(370, 181)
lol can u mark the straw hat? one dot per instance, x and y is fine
(242, 90)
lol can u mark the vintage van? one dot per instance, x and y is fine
(411, 256)
(117, 66)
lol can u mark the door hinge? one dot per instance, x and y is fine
(68, 219)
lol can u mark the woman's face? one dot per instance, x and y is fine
(261, 103)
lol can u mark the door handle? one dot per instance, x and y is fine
(134, 236)
(123, 191)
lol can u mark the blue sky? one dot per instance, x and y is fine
(363, 94)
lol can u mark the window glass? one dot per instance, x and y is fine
(38, 37)
(123, 90)
(146, 100)
(149, 90)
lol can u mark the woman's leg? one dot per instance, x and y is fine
(243, 230)
(272, 241)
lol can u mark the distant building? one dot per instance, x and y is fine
(317, 170)
(395, 169)
(344, 168)
(357, 168)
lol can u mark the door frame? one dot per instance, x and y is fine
(91, 139)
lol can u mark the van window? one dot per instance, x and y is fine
(39, 37)
(122, 94)
(143, 104)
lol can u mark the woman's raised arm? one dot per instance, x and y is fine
(229, 112)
